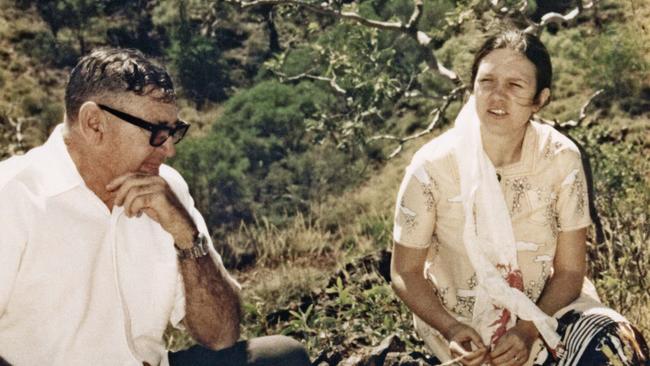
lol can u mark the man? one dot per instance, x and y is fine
(101, 246)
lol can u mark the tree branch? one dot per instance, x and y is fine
(581, 116)
(437, 113)
(331, 81)
(410, 29)
(417, 14)
(548, 18)
(326, 10)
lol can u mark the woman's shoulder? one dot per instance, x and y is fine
(435, 152)
(553, 145)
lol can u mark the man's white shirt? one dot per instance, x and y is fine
(79, 283)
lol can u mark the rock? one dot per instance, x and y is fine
(391, 343)
(330, 357)
(400, 359)
(354, 360)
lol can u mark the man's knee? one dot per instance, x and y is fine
(278, 350)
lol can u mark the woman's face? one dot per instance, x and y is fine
(504, 89)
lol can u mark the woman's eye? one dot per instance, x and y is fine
(516, 85)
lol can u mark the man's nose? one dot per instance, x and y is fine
(168, 148)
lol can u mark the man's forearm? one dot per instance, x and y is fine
(212, 305)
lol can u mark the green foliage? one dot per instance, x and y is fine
(75, 15)
(259, 159)
(617, 61)
(200, 71)
(369, 71)
(45, 48)
(215, 169)
(197, 62)
(621, 265)
(356, 309)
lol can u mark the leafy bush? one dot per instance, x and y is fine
(197, 62)
(617, 62)
(200, 71)
(620, 266)
(259, 160)
(216, 171)
(45, 48)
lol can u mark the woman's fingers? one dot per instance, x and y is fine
(510, 350)
(465, 341)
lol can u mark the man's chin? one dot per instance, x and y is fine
(153, 169)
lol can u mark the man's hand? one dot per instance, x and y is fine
(513, 349)
(150, 194)
(465, 341)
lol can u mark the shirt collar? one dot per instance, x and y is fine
(526, 163)
(57, 165)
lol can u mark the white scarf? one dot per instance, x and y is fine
(490, 241)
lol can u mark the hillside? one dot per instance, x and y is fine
(303, 213)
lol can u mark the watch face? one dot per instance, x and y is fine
(199, 248)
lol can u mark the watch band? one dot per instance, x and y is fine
(199, 248)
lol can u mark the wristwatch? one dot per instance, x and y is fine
(199, 248)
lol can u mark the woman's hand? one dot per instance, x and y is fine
(465, 341)
(513, 349)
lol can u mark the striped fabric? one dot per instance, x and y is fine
(597, 338)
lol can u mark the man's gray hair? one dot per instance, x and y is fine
(112, 71)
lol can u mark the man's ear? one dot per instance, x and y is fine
(542, 99)
(91, 123)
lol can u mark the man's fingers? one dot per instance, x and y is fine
(140, 204)
(133, 194)
(132, 181)
(117, 182)
(126, 186)
(152, 214)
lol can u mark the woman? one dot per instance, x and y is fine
(494, 213)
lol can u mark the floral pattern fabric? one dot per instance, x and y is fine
(545, 193)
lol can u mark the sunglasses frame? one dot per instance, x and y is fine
(179, 126)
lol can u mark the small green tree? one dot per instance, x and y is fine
(197, 61)
(76, 15)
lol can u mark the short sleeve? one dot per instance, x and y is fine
(415, 209)
(13, 239)
(572, 210)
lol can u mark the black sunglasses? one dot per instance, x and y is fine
(159, 132)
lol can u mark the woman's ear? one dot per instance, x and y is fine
(542, 99)
(91, 123)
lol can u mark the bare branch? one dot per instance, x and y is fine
(437, 113)
(583, 110)
(417, 14)
(581, 116)
(321, 10)
(557, 18)
(409, 29)
(331, 81)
